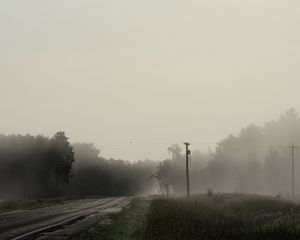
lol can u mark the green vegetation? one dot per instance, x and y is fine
(126, 225)
(220, 217)
(205, 217)
(29, 204)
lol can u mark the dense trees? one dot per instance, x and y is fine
(36, 167)
(258, 160)
(33, 166)
(63, 157)
(95, 175)
(259, 157)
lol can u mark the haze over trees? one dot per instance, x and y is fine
(39, 167)
(34, 166)
(95, 175)
(258, 160)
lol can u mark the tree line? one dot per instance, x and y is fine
(34, 166)
(258, 160)
(42, 167)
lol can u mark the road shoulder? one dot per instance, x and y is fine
(124, 225)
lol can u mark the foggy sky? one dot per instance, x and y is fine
(148, 72)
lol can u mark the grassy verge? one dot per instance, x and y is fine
(222, 217)
(126, 225)
(29, 204)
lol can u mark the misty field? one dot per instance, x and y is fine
(222, 217)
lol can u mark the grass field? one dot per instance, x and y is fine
(126, 225)
(220, 217)
(203, 217)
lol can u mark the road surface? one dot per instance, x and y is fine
(59, 221)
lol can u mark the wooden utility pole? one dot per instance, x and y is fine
(187, 153)
(293, 170)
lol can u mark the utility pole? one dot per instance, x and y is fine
(293, 170)
(187, 153)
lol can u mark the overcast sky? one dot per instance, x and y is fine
(150, 72)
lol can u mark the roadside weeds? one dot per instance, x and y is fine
(126, 225)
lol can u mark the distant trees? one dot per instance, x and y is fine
(170, 173)
(37, 167)
(256, 161)
(95, 175)
(277, 169)
(33, 166)
(162, 177)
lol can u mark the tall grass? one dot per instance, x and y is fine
(220, 217)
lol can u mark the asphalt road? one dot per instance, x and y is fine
(58, 221)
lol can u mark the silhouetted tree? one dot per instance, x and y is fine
(63, 158)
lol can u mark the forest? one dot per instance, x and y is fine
(42, 167)
(258, 160)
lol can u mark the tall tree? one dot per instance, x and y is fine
(63, 158)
